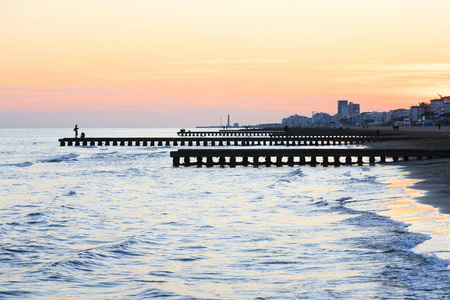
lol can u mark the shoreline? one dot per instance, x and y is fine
(433, 174)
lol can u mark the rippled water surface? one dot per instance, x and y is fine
(121, 223)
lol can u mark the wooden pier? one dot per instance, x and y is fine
(240, 132)
(221, 141)
(291, 157)
(279, 133)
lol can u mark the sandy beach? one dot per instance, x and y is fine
(434, 173)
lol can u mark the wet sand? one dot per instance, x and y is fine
(434, 173)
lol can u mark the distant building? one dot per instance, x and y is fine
(342, 108)
(446, 104)
(349, 111)
(417, 111)
(321, 119)
(296, 121)
(437, 107)
(400, 113)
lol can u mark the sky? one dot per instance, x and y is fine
(185, 63)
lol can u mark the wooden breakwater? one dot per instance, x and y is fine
(276, 133)
(291, 157)
(318, 140)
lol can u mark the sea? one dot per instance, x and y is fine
(111, 222)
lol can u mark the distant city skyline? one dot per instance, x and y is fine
(184, 63)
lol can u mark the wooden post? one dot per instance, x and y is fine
(302, 160)
(336, 160)
(232, 161)
(348, 160)
(245, 160)
(209, 161)
(290, 160)
(279, 160)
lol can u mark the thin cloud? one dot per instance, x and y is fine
(228, 61)
(381, 66)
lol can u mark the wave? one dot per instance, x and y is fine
(385, 239)
(54, 159)
(151, 293)
(20, 165)
(70, 193)
(60, 158)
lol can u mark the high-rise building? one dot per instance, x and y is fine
(349, 111)
(342, 104)
(354, 108)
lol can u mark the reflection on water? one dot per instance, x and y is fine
(423, 218)
(108, 222)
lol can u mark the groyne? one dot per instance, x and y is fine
(316, 140)
(291, 157)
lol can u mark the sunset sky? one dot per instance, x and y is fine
(184, 63)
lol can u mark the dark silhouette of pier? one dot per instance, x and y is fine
(307, 140)
(291, 157)
(246, 147)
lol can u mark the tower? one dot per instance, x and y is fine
(341, 105)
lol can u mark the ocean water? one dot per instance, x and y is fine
(122, 223)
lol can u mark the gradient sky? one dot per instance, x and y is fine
(183, 63)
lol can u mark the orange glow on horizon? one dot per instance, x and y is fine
(266, 59)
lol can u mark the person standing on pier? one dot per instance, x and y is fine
(76, 130)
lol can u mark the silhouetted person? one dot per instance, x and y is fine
(286, 130)
(76, 130)
(82, 135)
(377, 133)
